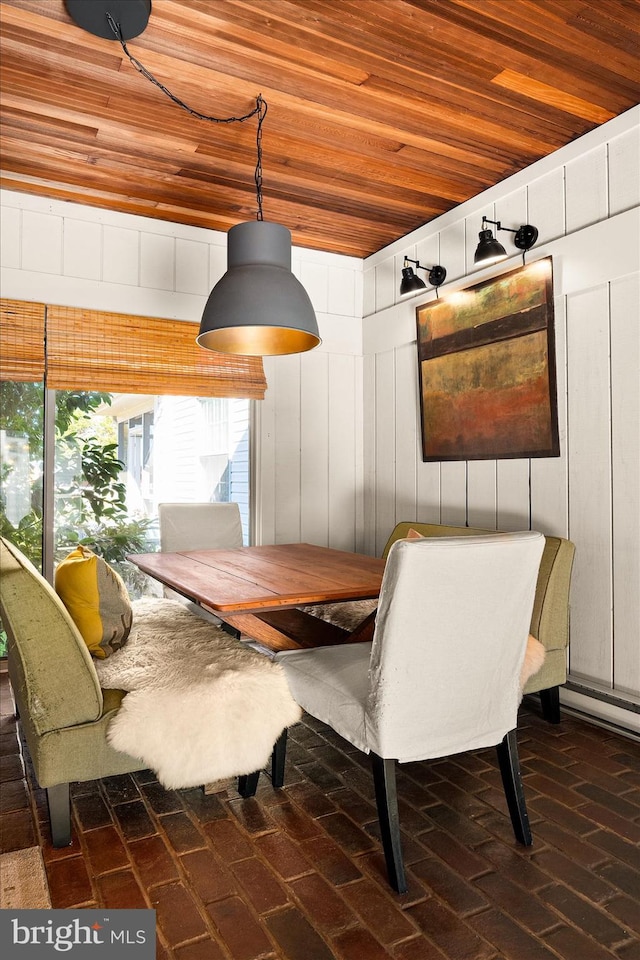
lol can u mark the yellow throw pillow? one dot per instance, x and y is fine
(97, 600)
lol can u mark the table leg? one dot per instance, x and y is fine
(257, 629)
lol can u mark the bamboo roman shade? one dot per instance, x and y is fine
(123, 353)
(21, 341)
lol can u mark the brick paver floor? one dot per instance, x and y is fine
(297, 873)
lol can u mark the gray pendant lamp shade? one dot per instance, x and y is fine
(258, 308)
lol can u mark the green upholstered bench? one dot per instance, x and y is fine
(63, 711)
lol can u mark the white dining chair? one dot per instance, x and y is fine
(198, 526)
(442, 673)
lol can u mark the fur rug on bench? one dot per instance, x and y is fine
(200, 705)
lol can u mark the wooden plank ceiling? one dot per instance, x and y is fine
(382, 113)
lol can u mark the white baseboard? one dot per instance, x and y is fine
(617, 719)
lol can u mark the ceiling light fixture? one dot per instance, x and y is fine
(258, 308)
(490, 250)
(411, 283)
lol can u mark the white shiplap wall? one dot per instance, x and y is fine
(307, 441)
(309, 454)
(585, 201)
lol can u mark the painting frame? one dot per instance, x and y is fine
(487, 370)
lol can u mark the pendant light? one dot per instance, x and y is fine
(258, 308)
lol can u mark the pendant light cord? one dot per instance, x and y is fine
(259, 111)
(261, 108)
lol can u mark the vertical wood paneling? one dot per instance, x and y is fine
(369, 452)
(386, 283)
(428, 492)
(287, 450)
(41, 243)
(369, 293)
(591, 657)
(407, 419)
(624, 172)
(192, 267)
(217, 263)
(157, 261)
(314, 458)
(385, 506)
(512, 493)
(358, 445)
(549, 476)
(545, 203)
(10, 223)
(511, 212)
(453, 503)
(314, 277)
(82, 249)
(481, 493)
(342, 453)
(428, 253)
(263, 468)
(452, 246)
(586, 189)
(121, 255)
(342, 293)
(625, 402)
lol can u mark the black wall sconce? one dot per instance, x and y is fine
(489, 250)
(411, 283)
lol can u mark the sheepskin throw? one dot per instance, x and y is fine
(347, 614)
(533, 660)
(200, 705)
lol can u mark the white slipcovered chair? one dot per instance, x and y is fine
(198, 526)
(442, 674)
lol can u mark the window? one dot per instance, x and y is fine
(117, 455)
(21, 465)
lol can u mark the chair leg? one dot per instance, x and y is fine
(278, 758)
(513, 790)
(384, 780)
(59, 814)
(550, 702)
(248, 784)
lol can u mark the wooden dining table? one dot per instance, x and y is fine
(258, 590)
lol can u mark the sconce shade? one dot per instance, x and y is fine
(489, 250)
(410, 282)
(258, 308)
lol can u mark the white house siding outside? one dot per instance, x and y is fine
(183, 450)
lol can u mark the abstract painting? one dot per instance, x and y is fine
(486, 359)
